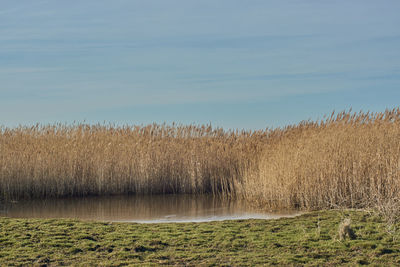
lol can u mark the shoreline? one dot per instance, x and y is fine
(309, 239)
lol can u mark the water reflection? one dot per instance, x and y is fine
(140, 208)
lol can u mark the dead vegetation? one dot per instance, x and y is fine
(78, 160)
(345, 230)
(346, 160)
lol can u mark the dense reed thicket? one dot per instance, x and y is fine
(346, 160)
(78, 160)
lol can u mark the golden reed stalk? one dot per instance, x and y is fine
(346, 160)
(79, 160)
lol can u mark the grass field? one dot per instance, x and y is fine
(310, 239)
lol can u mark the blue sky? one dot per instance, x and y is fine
(235, 64)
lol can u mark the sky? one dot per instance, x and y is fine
(235, 64)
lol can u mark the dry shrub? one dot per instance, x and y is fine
(389, 209)
(345, 230)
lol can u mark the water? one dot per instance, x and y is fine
(143, 209)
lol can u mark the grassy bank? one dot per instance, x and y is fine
(346, 160)
(310, 239)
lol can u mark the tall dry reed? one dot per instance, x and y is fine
(346, 160)
(78, 160)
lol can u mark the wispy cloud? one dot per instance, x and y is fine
(25, 70)
(20, 6)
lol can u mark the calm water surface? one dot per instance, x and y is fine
(145, 209)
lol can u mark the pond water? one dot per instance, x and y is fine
(139, 208)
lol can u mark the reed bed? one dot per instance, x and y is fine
(346, 160)
(79, 160)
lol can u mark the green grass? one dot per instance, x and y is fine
(310, 239)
